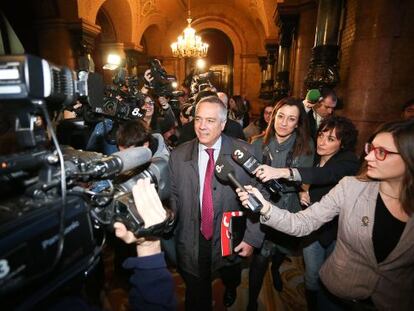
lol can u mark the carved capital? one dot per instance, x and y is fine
(83, 35)
(281, 87)
(323, 67)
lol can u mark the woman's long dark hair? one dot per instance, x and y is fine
(403, 135)
(261, 122)
(240, 108)
(302, 143)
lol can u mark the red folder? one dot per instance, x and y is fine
(232, 231)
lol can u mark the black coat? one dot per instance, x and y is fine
(185, 201)
(312, 125)
(322, 180)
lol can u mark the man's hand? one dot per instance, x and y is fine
(244, 249)
(308, 104)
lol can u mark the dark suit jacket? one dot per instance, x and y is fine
(232, 129)
(322, 180)
(312, 125)
(185, 201)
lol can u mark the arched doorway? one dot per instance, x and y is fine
(219, 58)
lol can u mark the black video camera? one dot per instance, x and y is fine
(120, 105)
(49, 214)
(162, 84)
(201, 81)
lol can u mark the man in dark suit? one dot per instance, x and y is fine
(319, 105)
(199, 201)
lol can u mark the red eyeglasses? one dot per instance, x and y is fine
(379, 152)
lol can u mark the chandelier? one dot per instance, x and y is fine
(189, 44)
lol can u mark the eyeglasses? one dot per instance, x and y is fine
(379, 152)
(149, 102)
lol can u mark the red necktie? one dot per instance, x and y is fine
(207, 204)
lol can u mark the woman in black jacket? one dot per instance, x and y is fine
(336, 139)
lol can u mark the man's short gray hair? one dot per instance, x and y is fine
(217, 101)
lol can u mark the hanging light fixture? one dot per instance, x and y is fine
(189, 44)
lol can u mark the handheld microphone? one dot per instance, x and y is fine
(250, 164)
(120, 162)
(225, 172)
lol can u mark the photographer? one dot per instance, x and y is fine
(153, 287)
(135, 133)
(152, 283)
(156, 87)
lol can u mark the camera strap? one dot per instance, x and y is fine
(158, 230)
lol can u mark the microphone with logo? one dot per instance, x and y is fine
(225, 173)
(250, 164)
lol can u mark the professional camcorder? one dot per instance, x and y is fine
(120, 105)
(162, 84)
(201, 81)
(49, 211)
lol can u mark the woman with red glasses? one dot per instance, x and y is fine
(372, 266)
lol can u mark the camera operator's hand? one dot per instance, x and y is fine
(148, 79)
(150, 208)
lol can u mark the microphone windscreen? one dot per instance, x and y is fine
(133, 157)
(222, 169)
(313, 95)
(241, 155)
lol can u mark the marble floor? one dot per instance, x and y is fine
(114, 297)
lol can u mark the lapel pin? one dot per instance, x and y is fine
(365, 221)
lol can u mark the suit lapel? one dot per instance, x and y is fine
(194, 174)
(404, 244)
(218, 187)
(366, 210)
(364, 216)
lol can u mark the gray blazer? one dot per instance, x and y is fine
(185, 202)
(352, 271)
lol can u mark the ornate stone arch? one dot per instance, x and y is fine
(153, 31)
(122, 20)
(237, 39)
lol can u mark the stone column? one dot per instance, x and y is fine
(132, 61)
(323, 68)
(287, 25)
(83, 35)
(270, 63)
(55, 42)
(263, 67)
(381, 64)
(304, 43)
